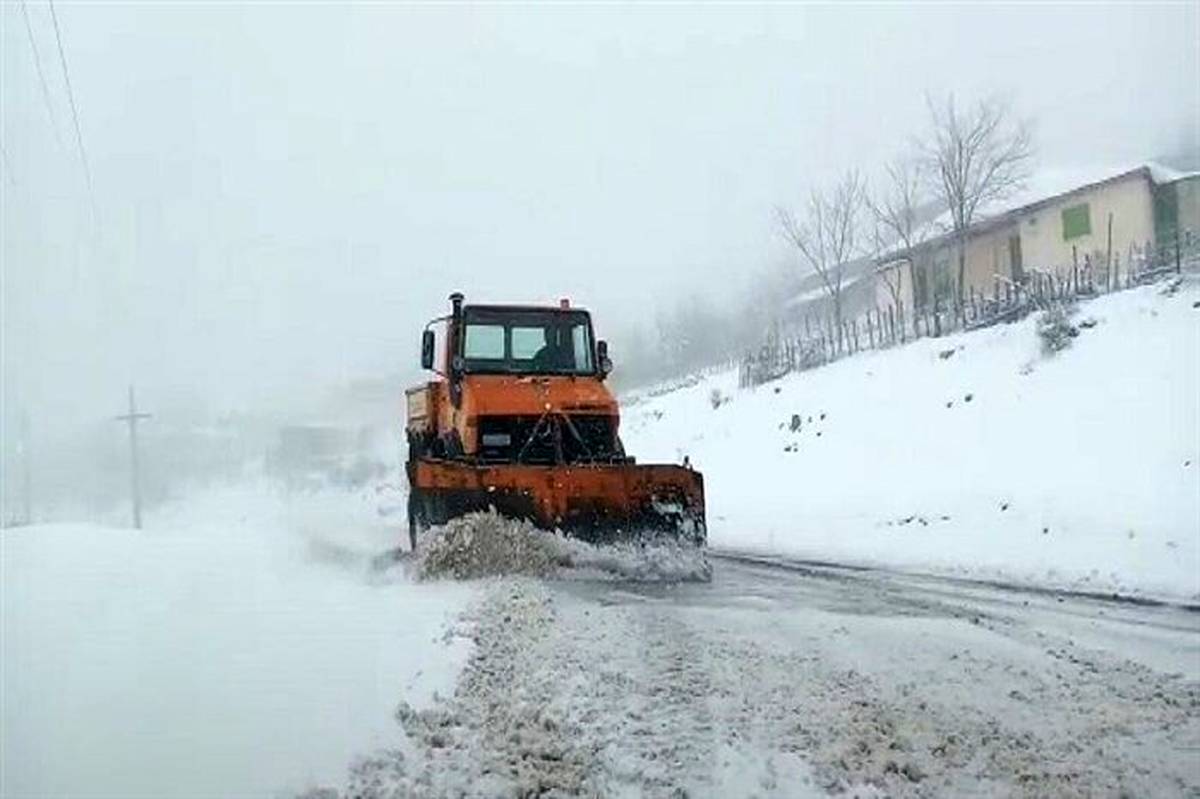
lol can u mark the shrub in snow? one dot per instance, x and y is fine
(1054, 328)
(716, 398)
(811, 355)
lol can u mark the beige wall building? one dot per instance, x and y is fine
(1049, 235)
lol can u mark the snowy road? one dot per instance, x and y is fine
(774, 681)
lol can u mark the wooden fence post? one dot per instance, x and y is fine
(1108, 276)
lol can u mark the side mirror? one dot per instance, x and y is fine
(427, 349)
(603, 361)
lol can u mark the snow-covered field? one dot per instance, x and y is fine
(971, 454)
(236, 647)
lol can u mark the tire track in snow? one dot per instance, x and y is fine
(566, 697)
(760, 685)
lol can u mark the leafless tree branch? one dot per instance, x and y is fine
(974, 157)
(829, 234)
(899, 229)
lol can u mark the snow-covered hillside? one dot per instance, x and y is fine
(972, 454)
(236, 647)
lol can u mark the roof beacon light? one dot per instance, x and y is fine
(564, 303)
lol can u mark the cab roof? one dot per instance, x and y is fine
(519, 308)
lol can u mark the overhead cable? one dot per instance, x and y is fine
(87, 170)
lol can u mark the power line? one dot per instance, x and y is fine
(87, 170)
(37, 62)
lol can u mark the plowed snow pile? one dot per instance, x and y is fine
(486, 545)
(489, 545)
(664, 561)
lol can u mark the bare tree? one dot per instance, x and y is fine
(974, 157)
(900, 227)
(829, 234)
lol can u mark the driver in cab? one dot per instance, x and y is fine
(553, 356)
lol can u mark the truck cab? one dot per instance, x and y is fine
(517, 384)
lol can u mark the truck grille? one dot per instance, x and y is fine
(587, 438)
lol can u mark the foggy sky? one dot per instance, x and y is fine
(285, 193)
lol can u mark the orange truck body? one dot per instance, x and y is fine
(537, 445)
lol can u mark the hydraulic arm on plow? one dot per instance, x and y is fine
(518, 419)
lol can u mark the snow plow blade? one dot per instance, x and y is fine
(597, 503)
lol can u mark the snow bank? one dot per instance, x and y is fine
(971, 454)
(247, 654)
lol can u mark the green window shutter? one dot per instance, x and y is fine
(1166, 212)
(1076, 222)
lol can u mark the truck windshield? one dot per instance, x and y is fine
(522, 341)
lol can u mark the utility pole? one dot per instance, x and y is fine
(135, 493)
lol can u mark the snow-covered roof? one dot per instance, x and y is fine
(1161, 174)
(814, 287)
(805, 297)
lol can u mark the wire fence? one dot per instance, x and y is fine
(825, 341)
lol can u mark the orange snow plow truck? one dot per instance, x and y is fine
(518, 418)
